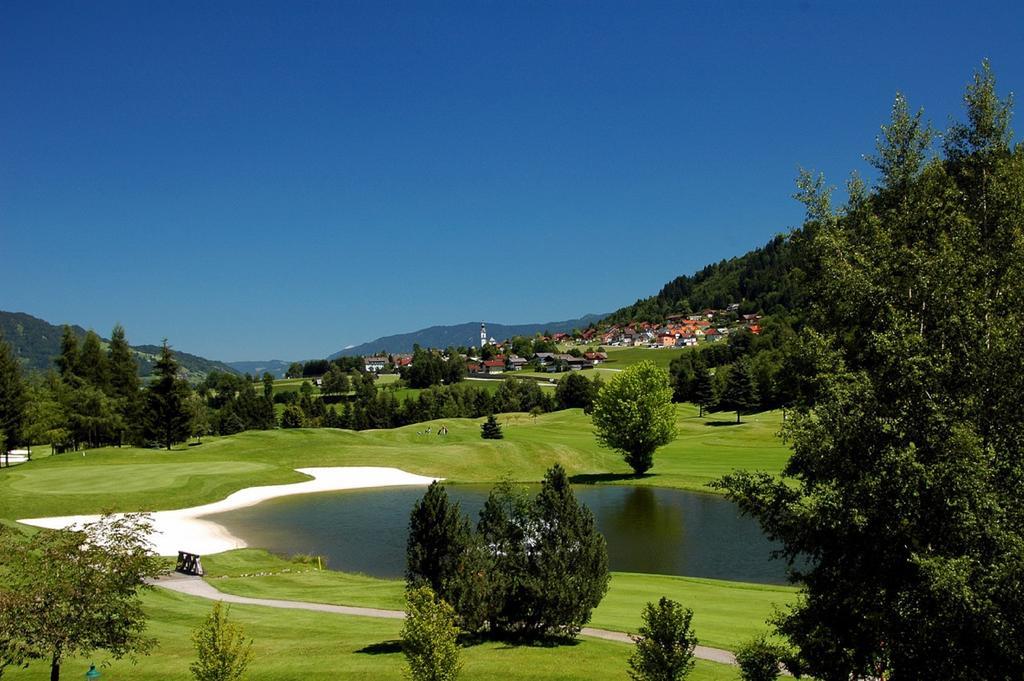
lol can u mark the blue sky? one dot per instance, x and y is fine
(261, 180)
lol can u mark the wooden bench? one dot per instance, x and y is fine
(189, 564)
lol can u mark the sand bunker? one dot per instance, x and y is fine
(185, 530)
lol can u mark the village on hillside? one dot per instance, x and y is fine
(586, 348)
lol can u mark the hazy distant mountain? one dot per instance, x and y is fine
(36, 343)
(276, 367)
(467, 334)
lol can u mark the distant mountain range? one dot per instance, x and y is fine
(275, 367)
(467, 334)
(36, 343)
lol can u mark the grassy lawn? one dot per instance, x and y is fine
(296, 644)
(725, 613)
(130, 479)
(620, 358)
(293, 644)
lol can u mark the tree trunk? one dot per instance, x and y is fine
(737, 416)
(55, 669)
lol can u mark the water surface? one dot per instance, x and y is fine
(654, 530)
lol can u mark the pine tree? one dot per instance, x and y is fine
(124, 382)
(440, 536)
(569, 559)
(491, 429)
(167, 415)
(740, 392)
(702, 387)
(13, 398)
(92, 363)
(67, 362)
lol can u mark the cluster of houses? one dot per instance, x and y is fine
(676, 331)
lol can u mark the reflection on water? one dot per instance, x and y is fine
(648, 529)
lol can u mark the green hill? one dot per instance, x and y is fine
(36, 343)
(767, 279)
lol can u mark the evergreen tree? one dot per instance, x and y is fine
(569, 558)
(124, 382)
(740, 392)
(167, 414)
(92, 363)
(67, 362)
(13, 398)
(438, 535)
(292, 417)
(702, 392)
(491, 429)
(268, 385)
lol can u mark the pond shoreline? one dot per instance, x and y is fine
(185, 530)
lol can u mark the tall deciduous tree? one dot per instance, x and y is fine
(903, 494)
(634, 414)
(167, 415)
(71, 593)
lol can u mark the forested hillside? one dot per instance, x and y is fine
(36, 344)
(767, 279)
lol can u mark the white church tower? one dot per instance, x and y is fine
(483, 334)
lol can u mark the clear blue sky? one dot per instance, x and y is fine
(259, 180)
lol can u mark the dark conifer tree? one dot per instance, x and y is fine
(740, 392)
(124, 383)
(67, 362)
(167, 415)
(491, 429)
(12, 398)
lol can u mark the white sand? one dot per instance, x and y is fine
(184, 529)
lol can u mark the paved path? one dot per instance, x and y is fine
(196, 586)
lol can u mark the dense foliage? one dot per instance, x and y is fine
(903, 497)
(222, 651)
(664, 644)
(430, 637)
(535, 567)
(766, 279)
(634, 414)
(66, 593)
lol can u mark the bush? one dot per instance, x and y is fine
(223, 653)
(759, 660)
(664, 646)
(430, 637)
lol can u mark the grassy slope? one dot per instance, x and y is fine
(139, 479)
(725, 613)
(308, 645)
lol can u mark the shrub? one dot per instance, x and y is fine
(223, 653)
(759, 660)
(664, 646)
(430, 637)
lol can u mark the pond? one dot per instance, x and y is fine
(648, 529)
